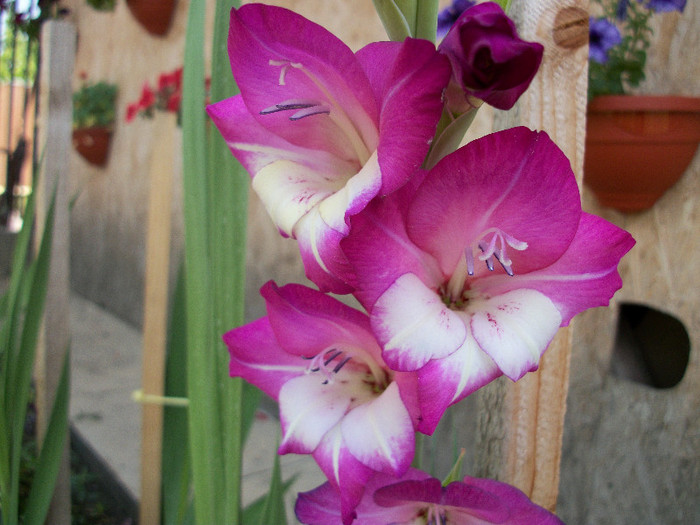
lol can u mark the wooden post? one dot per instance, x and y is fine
(155, 322)
(56, 115)
(521, 424)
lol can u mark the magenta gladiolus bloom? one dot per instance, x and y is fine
(321, 130)
(418, 498)
(338, 400)
(489, 61)
(470, 276)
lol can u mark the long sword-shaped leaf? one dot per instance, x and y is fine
(51, 452)
(19, 371)
(204, 419)
(426, 19)
(228, 206)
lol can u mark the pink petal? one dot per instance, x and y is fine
(344, 472)
(379, 250)
(584, 277)
(321, 506)
(477, 495)
(277, 55)
(414, 326)
(515, 180)
(307, 322)
(444, 382)
(408, 79)
(255, 146)
(514, 329)
(380, 433)
(257, 357)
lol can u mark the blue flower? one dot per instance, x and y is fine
(665, 6)
(448, 16)
(621, 9)
(604, 35)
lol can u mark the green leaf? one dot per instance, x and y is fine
(274, 511)
(397, 25)
(426, 19)
(253, 512)
(51, 452)
(18, 361)
(455, 473)
(204, 417)
(177, 471)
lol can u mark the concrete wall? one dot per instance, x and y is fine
(108, 220)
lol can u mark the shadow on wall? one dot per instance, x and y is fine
(651, 347)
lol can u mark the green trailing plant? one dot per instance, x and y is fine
(619, 41)
(21, 312)
(102, 5)
(94, 105)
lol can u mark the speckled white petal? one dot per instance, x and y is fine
(414, 325)
(380, 433)
(515, 328)
(308, 410)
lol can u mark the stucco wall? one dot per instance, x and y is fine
(631, 451)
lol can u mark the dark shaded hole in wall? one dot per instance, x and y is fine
(651, 347)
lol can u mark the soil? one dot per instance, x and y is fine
(97, 496)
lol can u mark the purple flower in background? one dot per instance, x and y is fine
(604, 35)
(621, 10)
(448, 16)
(418, 498)
(489, 61)
(664, 6)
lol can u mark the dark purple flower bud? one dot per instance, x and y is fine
(489, 61)
(448, 16)
(664, 6)
(603, 35)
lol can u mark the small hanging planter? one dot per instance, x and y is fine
(637, 147)
(155, 16)
(93, 144)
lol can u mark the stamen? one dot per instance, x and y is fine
(290, 104)
(490, 250)
(316, 110)
(334, 354)
(341, 364)
(306, 107)
(321, 361)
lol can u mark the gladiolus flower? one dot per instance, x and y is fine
(472, 275)
(321, 130)
(338, 400)
(489, 61)
(418, 498)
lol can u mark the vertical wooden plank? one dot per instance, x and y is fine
(521, 424)
(155, 322)
(56, 114)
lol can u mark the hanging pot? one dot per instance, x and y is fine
(637, 147)
(93, 144)
(155, 16)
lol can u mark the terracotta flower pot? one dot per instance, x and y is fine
(637, 147)
(93, 144)
(155, 16)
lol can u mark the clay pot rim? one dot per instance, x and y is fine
(648, 103)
